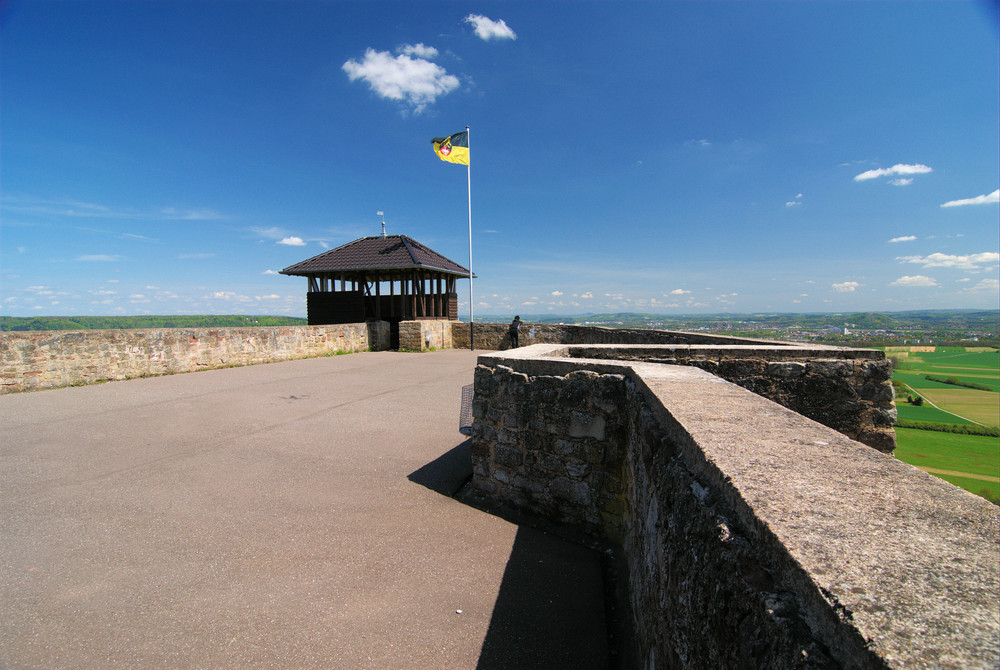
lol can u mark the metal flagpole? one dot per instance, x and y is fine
(468, 176)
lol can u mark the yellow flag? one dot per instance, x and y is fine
(454, 148)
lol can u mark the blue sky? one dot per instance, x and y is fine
(671, 157)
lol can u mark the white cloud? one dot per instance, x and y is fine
(292, 241)
(939, 260)
(987, 285)
(990, 199)
(415, 81)
(557, 293)
(846, 287)
(273, 296)
(795, 202)
(272, 233)
(269, 272)
(915, 280)
(99, 257)
(897, 169)
(904, 238)
(172, 213)
(901, 182)
(420, 50)
(696, 144)
(488, 29)
(75, 208)
(588, 295)
(679, 291)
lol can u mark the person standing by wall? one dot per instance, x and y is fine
(515, 327)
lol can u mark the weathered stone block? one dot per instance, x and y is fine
(483, 432)
(786, 369)
(501, 476)
(531, 484)
(577, 470)
(884, 416)
(586, 425)
(513, 419)
(733, 369)
(551, 464)
(575, 492)
(507, 456)
(877, 393)
(830, 368)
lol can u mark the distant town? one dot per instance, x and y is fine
(977, 328)
(868, 329)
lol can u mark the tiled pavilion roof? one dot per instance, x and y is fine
(393, 252)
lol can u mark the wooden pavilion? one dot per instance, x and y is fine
(384, 278)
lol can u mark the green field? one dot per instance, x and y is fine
(925, 412)
(958, 455)
(972, 405)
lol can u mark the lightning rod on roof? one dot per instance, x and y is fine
(383, 223)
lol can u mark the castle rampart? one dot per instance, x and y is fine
(35, 360)
(754, 536)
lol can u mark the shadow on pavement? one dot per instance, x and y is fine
(550, 610)
(447, 473)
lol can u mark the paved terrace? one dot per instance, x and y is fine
(289, 515)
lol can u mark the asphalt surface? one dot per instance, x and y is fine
(291, 515)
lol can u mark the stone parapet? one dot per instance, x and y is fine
(425, 335)
(753, 536)
(47, 359)
(494, 336)
(849, 390)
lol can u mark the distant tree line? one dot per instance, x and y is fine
(955, 381)
(958, 428)
(22, 323)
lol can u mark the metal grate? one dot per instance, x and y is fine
(465, 413)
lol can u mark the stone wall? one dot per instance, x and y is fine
(495, 336)
(47, 359)
(754, 536)
(425, 335)
(849, 390)
(549, 445)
